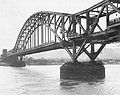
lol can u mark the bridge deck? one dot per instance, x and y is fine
(37, 49)
(113, 35)
(110, 35)
(114, 22)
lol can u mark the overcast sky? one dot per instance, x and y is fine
(14, 13)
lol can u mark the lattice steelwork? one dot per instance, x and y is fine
(42, 28)
(74, 32)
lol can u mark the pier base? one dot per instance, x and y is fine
(82, 70)
(17, 64)
(14, 61)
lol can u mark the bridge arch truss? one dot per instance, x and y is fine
(74, 32)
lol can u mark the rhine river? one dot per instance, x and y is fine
(44, 80)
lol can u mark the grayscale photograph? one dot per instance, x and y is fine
(59, 47)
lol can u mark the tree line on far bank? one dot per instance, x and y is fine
(43, 61)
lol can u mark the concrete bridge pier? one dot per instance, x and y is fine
(15, 61)
(82, 70)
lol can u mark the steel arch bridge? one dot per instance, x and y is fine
(76, 33)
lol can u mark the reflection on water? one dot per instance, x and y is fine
(45, 80)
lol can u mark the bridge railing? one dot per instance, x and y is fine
(115, 1)
(114, 21)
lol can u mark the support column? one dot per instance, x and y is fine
(48, 28)
(79, 26)
(34, 38)
(74, 52)
(50, 34)
(14, 61)
(74, 45)
(42, 34)
(87, 22)
(30, 41)
(55, 24)
(63, 28)
(28, 44)
(45, 34)
(38, 36)
(74, 24)
(107, 17)
(92, 53)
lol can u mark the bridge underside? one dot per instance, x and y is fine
(41, 48)
(103, 38)
(108, 36)
(44, 31)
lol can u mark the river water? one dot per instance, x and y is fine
(44, 80)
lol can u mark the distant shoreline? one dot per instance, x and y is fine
(44, 62)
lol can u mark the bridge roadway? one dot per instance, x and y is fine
(44, 22)
(108, 36)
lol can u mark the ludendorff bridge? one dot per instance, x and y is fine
(76, 33)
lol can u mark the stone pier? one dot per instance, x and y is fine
(14, 61)
(82, 70)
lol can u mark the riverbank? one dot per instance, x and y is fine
(43, 61)
(3, 64)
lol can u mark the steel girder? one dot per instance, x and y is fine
(92, 18)
(65, 28)
(48, 19)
